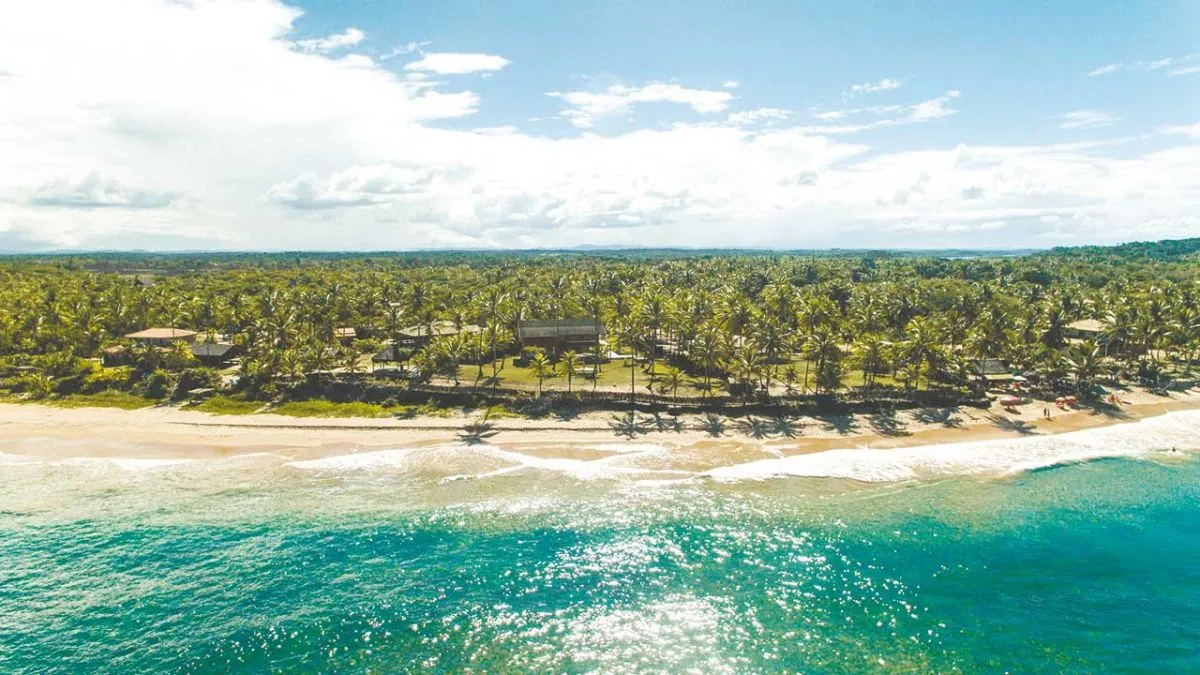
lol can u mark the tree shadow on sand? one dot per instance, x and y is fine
(843, 424)
(629, 425)
(1009, 424)
(885, 423)
(755, 427)
(785, 425)
(713, 425)
(477, 432)
(946, 417)
(663, 424)
(1113, 412)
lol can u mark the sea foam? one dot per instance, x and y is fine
(496, 461)
(1173, 431)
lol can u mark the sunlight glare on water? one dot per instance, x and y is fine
(258, 563)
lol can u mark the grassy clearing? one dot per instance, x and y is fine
(228, 405)
(321, 408)
(613, 375)
(500, 412)
(104, 399)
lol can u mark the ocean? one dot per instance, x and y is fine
(1073, 553)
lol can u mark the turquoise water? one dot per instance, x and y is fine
(255, 565)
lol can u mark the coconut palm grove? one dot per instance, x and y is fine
(382, 334)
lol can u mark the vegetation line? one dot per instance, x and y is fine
(523, 334)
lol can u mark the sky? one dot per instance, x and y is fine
(371, 125)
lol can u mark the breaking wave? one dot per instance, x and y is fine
(1177, 431)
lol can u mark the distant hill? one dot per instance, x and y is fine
(1166, 249)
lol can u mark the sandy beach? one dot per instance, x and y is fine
(694, 443)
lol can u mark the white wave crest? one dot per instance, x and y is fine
(378, 459)
(1179, 431)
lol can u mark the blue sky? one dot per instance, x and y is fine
(804, 55)
(264, 124)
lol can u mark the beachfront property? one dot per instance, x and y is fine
(1086, 329)
(215, 354)
(389, 355)
(558, 335)
(162, 337)
(415, 337)
(993, 371)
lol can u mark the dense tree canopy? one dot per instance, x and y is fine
(754, 321)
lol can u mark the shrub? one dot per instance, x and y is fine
(158, 384)
(65, 364)
(229, 405)
(196, 378)
(106, 379)
(37, 385)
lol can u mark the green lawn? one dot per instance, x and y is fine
(615, 376)
(228, 405)
(321, 408)
(104, 399)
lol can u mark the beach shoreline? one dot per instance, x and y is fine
(170, 432)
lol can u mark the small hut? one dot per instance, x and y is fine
(415, 337)
(1086, 329)
(390, 354)
(991, 370)
(162, 337)
(215, 354)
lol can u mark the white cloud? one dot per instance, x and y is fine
(1192, 130)
(1105, 70)
(354, 186)
(348, 38)
(94, 190)
(448, 63)
(934, 108)
(1086, 119)
(406, 48)
(588, 106)
(1151, 66)
(885, 84)
(730, 84)
(918, 113)
(758, 115)
(210, 128)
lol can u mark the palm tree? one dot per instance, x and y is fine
(869, 353)
(493, 302)
(920, 347)
(707, 348)
(570, 361)
(655, 310)
(822, 346)
(349, 361)
(770, 337)
(671, 380)
(628, 333)
(542, 368)
(745, 368)
(1085, 364)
